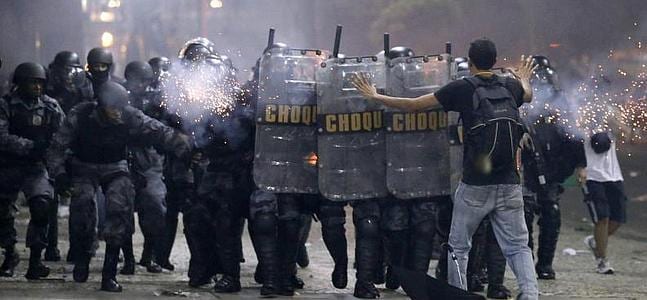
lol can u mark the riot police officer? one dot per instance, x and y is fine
(147, 171)
(98, 134)
(179, 180)
(197, 55)
(408, 225)
(68, 83)
(161, 66)
(28, 119)
(552, 158)
(100, 67)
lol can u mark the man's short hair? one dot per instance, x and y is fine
(482, 54)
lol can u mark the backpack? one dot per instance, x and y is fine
(495, 131)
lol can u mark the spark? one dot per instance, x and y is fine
(196, 92)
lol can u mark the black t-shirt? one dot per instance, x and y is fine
(457, 96)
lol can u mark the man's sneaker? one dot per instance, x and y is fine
(590, 242)
(604, 267)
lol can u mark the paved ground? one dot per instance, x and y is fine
(576, 278)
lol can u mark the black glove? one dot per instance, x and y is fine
(62, 183)
(37, 152)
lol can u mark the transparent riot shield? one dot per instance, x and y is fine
(286, 143)
(351, 132)
(418, 144)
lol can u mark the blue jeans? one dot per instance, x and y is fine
(504, 205)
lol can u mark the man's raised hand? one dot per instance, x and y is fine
(525, 68)
(362, 83)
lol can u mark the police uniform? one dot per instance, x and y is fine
(26, 130)
(99, 160)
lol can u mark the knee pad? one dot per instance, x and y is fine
(262, 203)
(39, 208)
(368, 228)
(550, 215)
(264, 223)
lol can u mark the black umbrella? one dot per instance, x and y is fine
(420, 286)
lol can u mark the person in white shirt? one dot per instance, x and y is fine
(604, 195)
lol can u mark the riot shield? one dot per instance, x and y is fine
(351, 131)
(286, 143)
(418, 143)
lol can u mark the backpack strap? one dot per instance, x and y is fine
(475, 82)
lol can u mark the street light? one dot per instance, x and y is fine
(107, 39)
(215, 3)
(107, 16)
(114, 3)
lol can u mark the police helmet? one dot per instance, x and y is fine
(29, 70)
(400, 51)
(113, 95)
(138, 70)
(99, 56)
(67, 58)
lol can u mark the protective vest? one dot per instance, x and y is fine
(99, 143)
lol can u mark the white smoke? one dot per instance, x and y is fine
(201, 94)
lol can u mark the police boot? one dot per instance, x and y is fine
(153, 266)
(167, 241)
(129, 257)
(36, 268)
(421, 246)
(52, 254)
(441, 267)
(265, 237)
(498, 291)
(230, 263)
(474, 284)
(109, 273)
(380, 267)
(303, 260)
(289, 244)
(147, 253)
(545, 272)
(11, 260)
(227, 284)
(81, 267)
(334, 237)
(258, 273)
(199, 274)
(367, 255)
(395, 242)
(365, 290)
(297, 282)
(549, 226)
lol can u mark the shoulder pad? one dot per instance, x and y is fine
(51, 102)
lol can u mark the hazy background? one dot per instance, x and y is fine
(570, 32)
